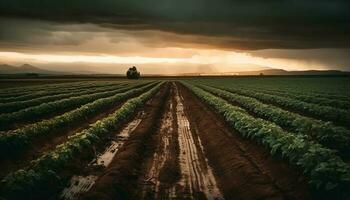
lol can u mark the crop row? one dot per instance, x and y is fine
(37, 112)
(16, 91)
(308, 98)
(45, 170)
(326, 113)
(326, 170)
(324, 132)
(49, 91)
(18, 105)
(305, 94)
(19, 139)
(44, 86)
(324, 88)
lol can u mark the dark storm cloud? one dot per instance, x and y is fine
(333, 58)
(238, 24)
(34, 32)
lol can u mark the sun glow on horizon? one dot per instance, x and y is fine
(223, 61)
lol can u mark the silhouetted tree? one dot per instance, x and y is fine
(132, 73)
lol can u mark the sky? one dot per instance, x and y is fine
(174, 37)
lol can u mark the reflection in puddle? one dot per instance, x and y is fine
(106, 158)
(78, 185)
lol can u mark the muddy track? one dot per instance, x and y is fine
(245, 170)
(49, 142)
(178, 168)
(161, 169)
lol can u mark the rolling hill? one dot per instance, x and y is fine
(24, 69)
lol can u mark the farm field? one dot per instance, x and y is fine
(176, 138)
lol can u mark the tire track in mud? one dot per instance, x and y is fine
(163, 170)
(196, 179)
(152, 182)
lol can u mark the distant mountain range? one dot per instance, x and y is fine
(30, 69)
(25, 69)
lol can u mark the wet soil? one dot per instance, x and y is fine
(175, 166)
(161, 169)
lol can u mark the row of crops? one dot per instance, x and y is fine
(36, 112)
(312, 136)
(327, 87)
(57, 106)
(58, 95)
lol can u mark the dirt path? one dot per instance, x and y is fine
(162, 169)
(245, 170)
(195, 179)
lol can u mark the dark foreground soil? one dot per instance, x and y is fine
(161, 168)
(245, 170)
(175, 167)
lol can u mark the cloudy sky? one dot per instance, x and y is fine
(182, 36)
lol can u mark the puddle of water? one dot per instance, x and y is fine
(82, 184)
(78, 185)
(106, 158)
